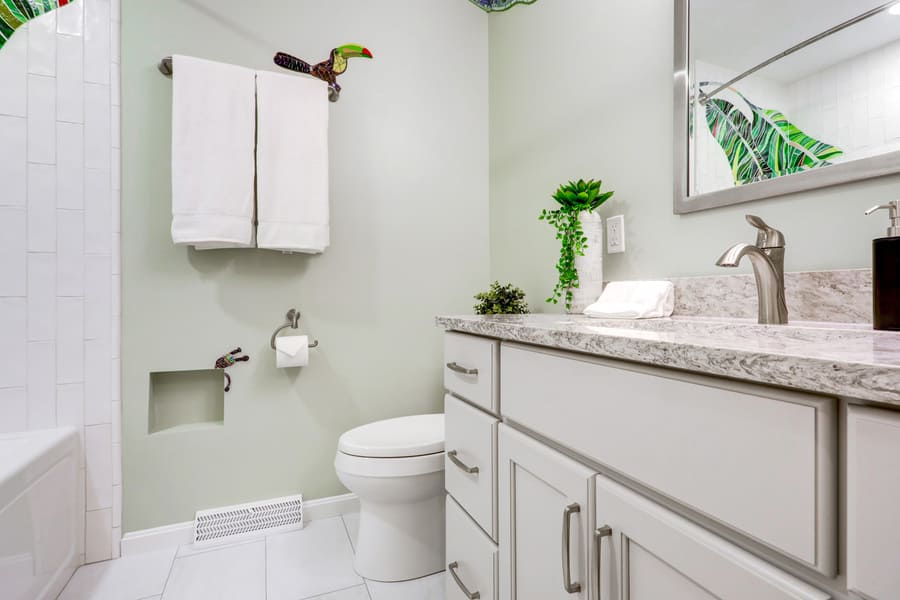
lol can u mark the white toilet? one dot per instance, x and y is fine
(396, 468)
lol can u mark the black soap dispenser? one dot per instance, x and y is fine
(886, 271)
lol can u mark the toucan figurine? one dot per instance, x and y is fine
(327, 70)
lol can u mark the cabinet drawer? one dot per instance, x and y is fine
(471, 443)
(873, 495)
(641, 551)
(470, 369)
(471, 557)
(759, 460)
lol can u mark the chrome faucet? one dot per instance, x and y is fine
(767, 258)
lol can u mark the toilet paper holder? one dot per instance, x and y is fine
(293, 321)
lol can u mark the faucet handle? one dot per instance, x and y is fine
(767, 237)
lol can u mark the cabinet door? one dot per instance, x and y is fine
(873, 498)
(642, 551)
(544, 510)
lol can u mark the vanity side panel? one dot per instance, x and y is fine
(758, 460)
(873, 498)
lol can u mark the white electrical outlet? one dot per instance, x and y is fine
(615, 234)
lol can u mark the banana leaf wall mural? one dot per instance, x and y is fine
(15, 13)
(497, 5)
(765, 147)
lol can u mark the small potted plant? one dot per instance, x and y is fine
(501, 300)
(577, 202)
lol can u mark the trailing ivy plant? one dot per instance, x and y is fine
(501, 300)
(574, 198)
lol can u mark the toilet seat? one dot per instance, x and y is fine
(389, 467)
(418, 435)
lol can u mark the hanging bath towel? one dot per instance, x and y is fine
(292, 163)
(213, 134)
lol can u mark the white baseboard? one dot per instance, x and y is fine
(158, 538)
(179, 534)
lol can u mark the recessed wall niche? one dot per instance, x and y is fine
(185, 400)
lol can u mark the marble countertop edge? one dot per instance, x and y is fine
(845, 360)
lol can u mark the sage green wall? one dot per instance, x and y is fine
(409, 239)
(584, 89)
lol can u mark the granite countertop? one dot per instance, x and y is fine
(847, 360)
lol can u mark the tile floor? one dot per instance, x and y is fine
(315, 563)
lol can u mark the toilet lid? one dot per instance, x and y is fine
(394, 438)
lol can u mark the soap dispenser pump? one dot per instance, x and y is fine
(886, 271)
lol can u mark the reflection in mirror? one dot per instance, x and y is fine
(777, 89)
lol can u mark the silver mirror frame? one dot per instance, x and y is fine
(864, 168)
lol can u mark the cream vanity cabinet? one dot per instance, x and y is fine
(620, 481)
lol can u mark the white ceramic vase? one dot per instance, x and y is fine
(589, 266)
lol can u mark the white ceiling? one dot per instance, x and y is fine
(739, 34)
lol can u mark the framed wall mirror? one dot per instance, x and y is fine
(775, 97)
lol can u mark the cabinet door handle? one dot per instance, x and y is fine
(452, 455)
(568, 585)
(455, 367)
(599, 534)
(452, 567)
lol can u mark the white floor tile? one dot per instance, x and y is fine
(192, 549)
(237, 573)
(129, 578)
(313, 561)
(351, 521)
(426, 588)
(355, 593)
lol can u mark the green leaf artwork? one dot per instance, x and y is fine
(15, 13)
(769, 146)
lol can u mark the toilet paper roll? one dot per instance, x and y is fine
(291, 351)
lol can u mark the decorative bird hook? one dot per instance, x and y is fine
(327, 70)
(223, 362)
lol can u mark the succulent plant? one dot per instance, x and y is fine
(574, 198)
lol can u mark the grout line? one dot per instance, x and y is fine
(352, 587)
(349, 537)
(169, 574)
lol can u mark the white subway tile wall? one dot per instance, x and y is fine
(59, 246)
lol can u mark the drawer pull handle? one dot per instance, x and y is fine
(452, 455)
(452, 567)
(455, 367)
(599, 534)
(568, 585)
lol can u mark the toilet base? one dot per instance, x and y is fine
(397, 542)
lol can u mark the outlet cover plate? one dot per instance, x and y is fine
(615, 234)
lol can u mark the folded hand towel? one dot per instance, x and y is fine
(634, 300)
(213, 136)
(292, 163)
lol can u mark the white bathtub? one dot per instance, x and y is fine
(39, 516)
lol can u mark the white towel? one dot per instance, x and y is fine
(292, 163)
(634, 300)
(213, 136)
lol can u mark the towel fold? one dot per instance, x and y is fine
(292, 163)
(213, 136)
(634, 300)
